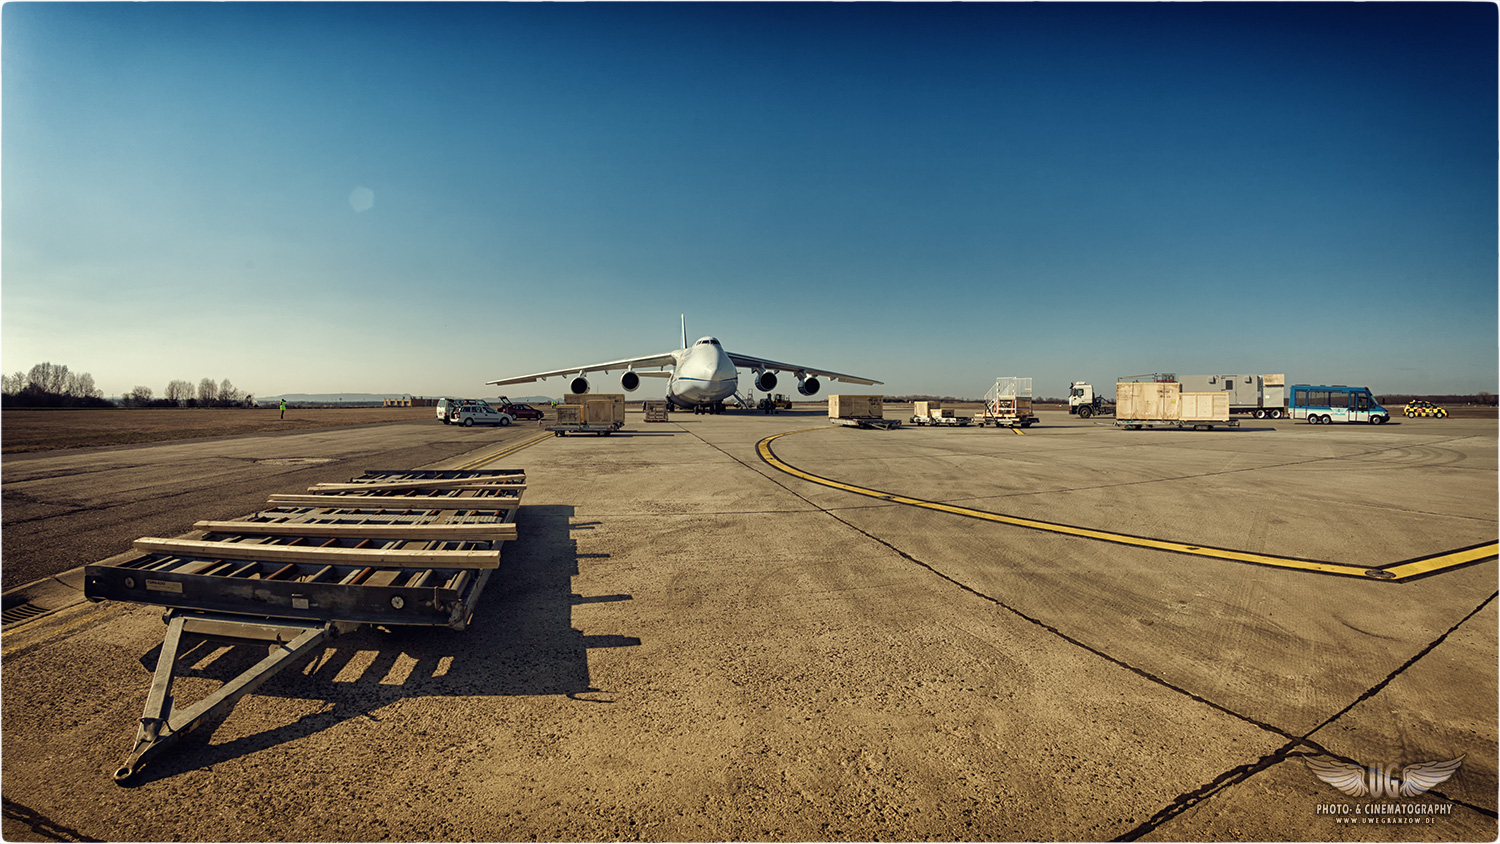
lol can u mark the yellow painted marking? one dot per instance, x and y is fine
(503, 453)
(1426, 565)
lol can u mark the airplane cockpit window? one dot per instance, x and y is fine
(707, 340)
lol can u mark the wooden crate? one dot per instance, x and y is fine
(599, 415)
(925, 408)
(1204, 407)
(569, 414)
(1147, 399)
(655, 411)
(604, 410)
(856, 407)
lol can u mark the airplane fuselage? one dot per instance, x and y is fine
(704, 375)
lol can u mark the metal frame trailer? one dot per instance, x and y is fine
(950, 421)
(1137, 424)
(584, 428)
(866, 422)
(402, 547)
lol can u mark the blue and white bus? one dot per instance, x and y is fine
(1335, 404)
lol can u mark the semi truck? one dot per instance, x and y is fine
(1083, 402)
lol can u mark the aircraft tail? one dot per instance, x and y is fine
(684, 331)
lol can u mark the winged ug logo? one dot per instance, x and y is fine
(1381, 780)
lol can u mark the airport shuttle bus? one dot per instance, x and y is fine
(1335, 404)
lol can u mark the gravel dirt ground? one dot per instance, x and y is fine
(687, 644)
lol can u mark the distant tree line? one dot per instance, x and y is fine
(1482, 399)
(54, 385)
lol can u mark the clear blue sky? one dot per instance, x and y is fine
(392, 198)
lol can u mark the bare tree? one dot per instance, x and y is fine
(81, 386)
(49, 378)
(138, 396)
(180, 391)
(228, 396)
(207, 389)
(14, 383)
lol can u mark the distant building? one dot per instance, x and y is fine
(410, 401)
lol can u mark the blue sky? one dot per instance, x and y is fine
(417, 198)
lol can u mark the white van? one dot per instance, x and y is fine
(471, 413)
(445, 409)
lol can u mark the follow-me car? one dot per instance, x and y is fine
(1424, 408)
(701, 376)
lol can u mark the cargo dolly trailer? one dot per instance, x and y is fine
(933, 413)
(395, 548)
(584, 428)
(860, 412)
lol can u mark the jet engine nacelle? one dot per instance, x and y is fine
(580, 385)
(765, 381)
(630, 381)
(809, 386)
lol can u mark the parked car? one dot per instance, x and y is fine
(523, 411)
(470, 414)
(1424, 408)
(445, 409)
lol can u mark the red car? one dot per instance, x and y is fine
(523, 411)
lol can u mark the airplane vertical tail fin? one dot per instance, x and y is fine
(684, 331)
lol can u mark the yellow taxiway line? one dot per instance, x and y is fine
(1399, 571)
(506, 452)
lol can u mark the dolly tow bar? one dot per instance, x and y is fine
(161, 727)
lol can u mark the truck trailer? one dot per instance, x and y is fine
(1262, 396)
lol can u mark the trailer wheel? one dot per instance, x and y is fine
(1260, 414)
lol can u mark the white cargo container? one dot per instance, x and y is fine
(1259, 395)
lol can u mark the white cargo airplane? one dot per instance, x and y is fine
(702, 375)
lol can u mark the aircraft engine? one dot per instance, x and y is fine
(630, 381)
(580, 385)
(809, 386)
(765, 381)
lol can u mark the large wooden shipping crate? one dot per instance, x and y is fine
(569, 414)
(598, 408)
(1147, 399)
(655, 411)
(925, 408)
(1164, 400)
(1204, 407)
(856, 407)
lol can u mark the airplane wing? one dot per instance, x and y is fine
(663, 360)
(763, 363)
